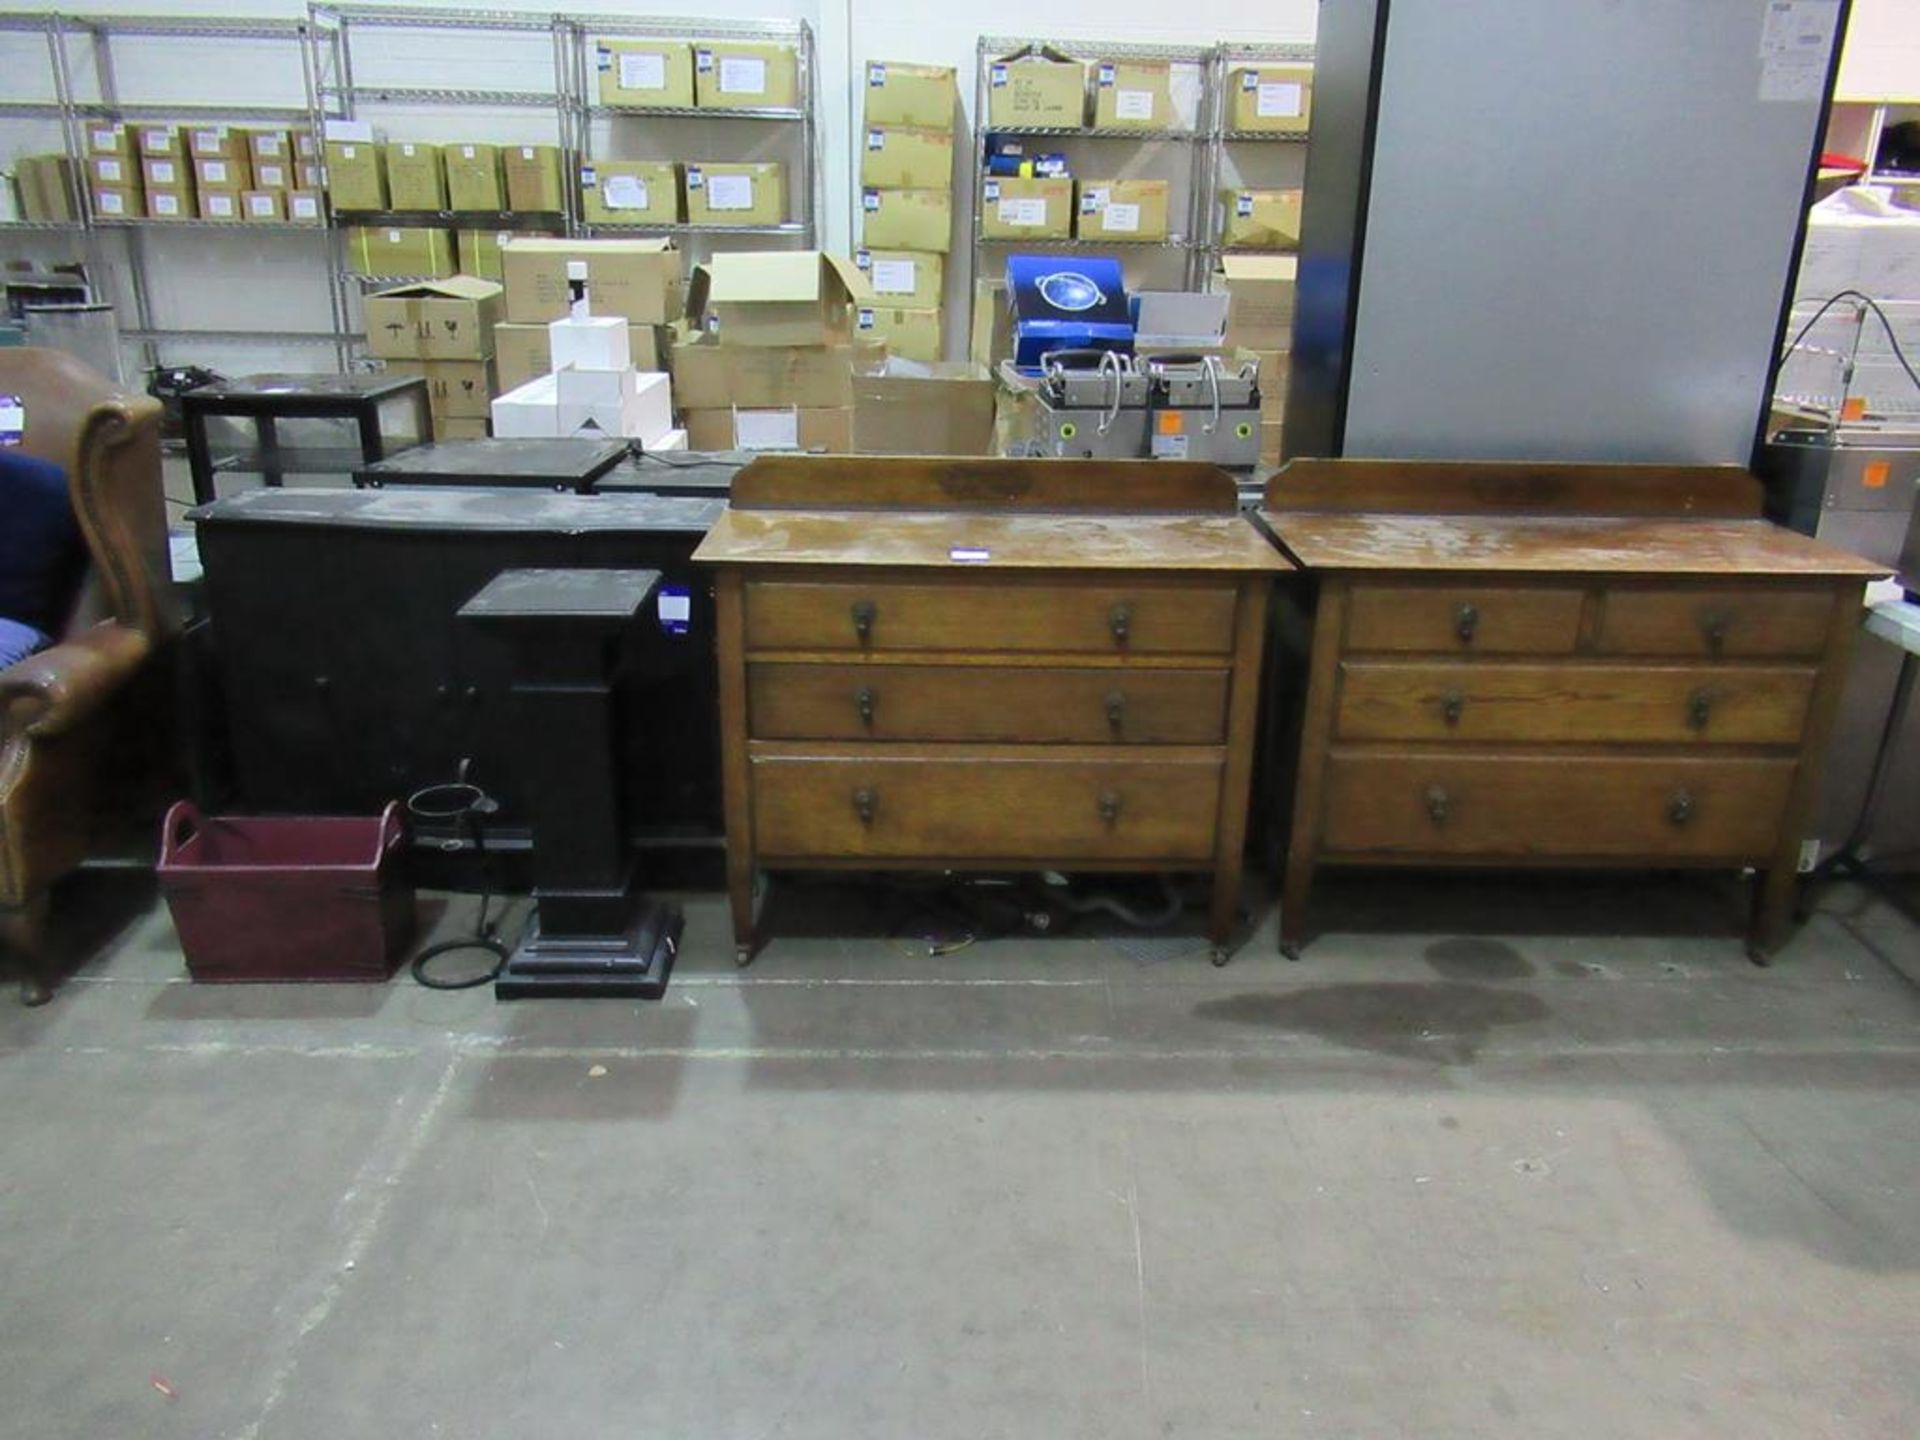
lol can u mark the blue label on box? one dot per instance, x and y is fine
(605, 56)
(13, 419)
(993, 191)
(589, 176)
(863, 259)
(876, 75)
(1249, 79)
(997, 75)
(865, 321)
(694, 180)
(1106, 74)
(870, 200)
(703, 59)
(876, 140)
(1243, 207)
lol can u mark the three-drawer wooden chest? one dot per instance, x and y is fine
(1515, 665)
(987, 665)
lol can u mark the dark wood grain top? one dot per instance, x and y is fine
(890, 482)
(1558, 545)
(1453, 487)
(951, 540)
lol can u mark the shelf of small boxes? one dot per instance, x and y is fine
(906, 202)
(164, 174)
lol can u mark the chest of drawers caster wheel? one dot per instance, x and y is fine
(1220, 955)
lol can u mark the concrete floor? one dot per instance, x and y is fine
(1433, 1181)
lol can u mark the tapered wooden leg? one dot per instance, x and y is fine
(23, 936)
(1772, 909)
(740, 902)
(1236, 775)
(1293, 901)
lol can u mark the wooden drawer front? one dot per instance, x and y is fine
(1464, 620)
(947, 702)
(1661, 704)
(981, 809)
(1518, 807)
(1716, 623)
(1094, 619)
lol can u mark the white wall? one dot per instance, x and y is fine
(235, 281)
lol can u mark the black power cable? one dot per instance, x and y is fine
(467, 806)
(1879, 314)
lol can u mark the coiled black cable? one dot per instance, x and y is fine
(467, 806)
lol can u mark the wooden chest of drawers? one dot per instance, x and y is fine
(987, 665)
(1557, 665)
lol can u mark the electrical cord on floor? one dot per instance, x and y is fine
(467, 806)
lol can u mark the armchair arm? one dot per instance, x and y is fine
(53, 691)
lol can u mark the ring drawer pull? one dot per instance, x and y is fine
(865, 802)
(1120, 621)
(863, 702)
(1439, 803)
(1466, 620)
(1116, 710)
(1680, 807)
(1451, 704)
(1699, 709)
(1713, 629)
(1110, 807)
(864, 612)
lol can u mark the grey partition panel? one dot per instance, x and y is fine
(1581, 227)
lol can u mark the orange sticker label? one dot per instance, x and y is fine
(1172, 422)
(1853, 408)
(1874, 476)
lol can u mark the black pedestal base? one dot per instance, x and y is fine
(635, 964)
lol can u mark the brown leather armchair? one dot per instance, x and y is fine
(63, 710)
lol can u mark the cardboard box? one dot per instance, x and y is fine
(1017, 209)
(907, 220)
(1123, 209)
(449, 319)
(645, 74)
(828, 431)
(269, 147)
(923, 95)
(533, 179)
(416, 176)
(629, 192)
(910, 279)
(166, 173)
(708, 375)
(736, 194)
(595, 342)
(47, 189)
(639, 279)
(456, 389)
(1260, 299)
(114, 170)
(991, 338)
(217, 142)
(776, 297)
(522, 353)
(305, 207)
(918, 335)
(263, 204)
(1270, 99)
(1048, 88)
(460, 427)
(729, 73)
(118, 202)
(106, 139)
(218, 203)
(478, 251)
(1261, 219)
(221, 172)
(170, 202)
(356, 176)
(394, 250)
(924, 410)
(162, 142)
(906, 157)
(475, 179)
(273, 175)
(1133, 95)
(614, 402)
(306, 148)
(309, 176)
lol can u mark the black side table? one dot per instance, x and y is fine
(274, 426)
(569, 464)
(594, 933)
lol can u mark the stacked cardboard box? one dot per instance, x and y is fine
(115, 188)
(46, 188)
(1260, 305)
(442, 330)
(769, 355)
(1261, 219)
(906, 202)
(1123, 210)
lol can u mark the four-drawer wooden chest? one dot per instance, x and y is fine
(1561, 665)
(987, 665)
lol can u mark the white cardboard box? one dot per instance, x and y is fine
(528, 412)
(672, 440)
(598, 342)
(630, 403)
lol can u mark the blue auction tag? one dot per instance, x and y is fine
(674, 603)
(13, 419)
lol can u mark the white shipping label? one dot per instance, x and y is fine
(161, 140)
(214, 172)
(729, 192)
(743, 75)
(1023, 212)
(1169, 447)
(1121, 219)
(103, 139)
(13, 419)
(1796, 40)
(625, 192)
(306, 207)
(870, 200)
(161, 172)
(170, 204)
(1280, 98)
(260, 206)
(646, 71)
(220, 206)
(272, 177)
(269, 146)
(766, 429)
(1133, 104)
(675, 604)
(894, 277)
(110, 171)
(208, 142)
(876, 139)
(111, 204)
(407, 149)
(466, 152)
